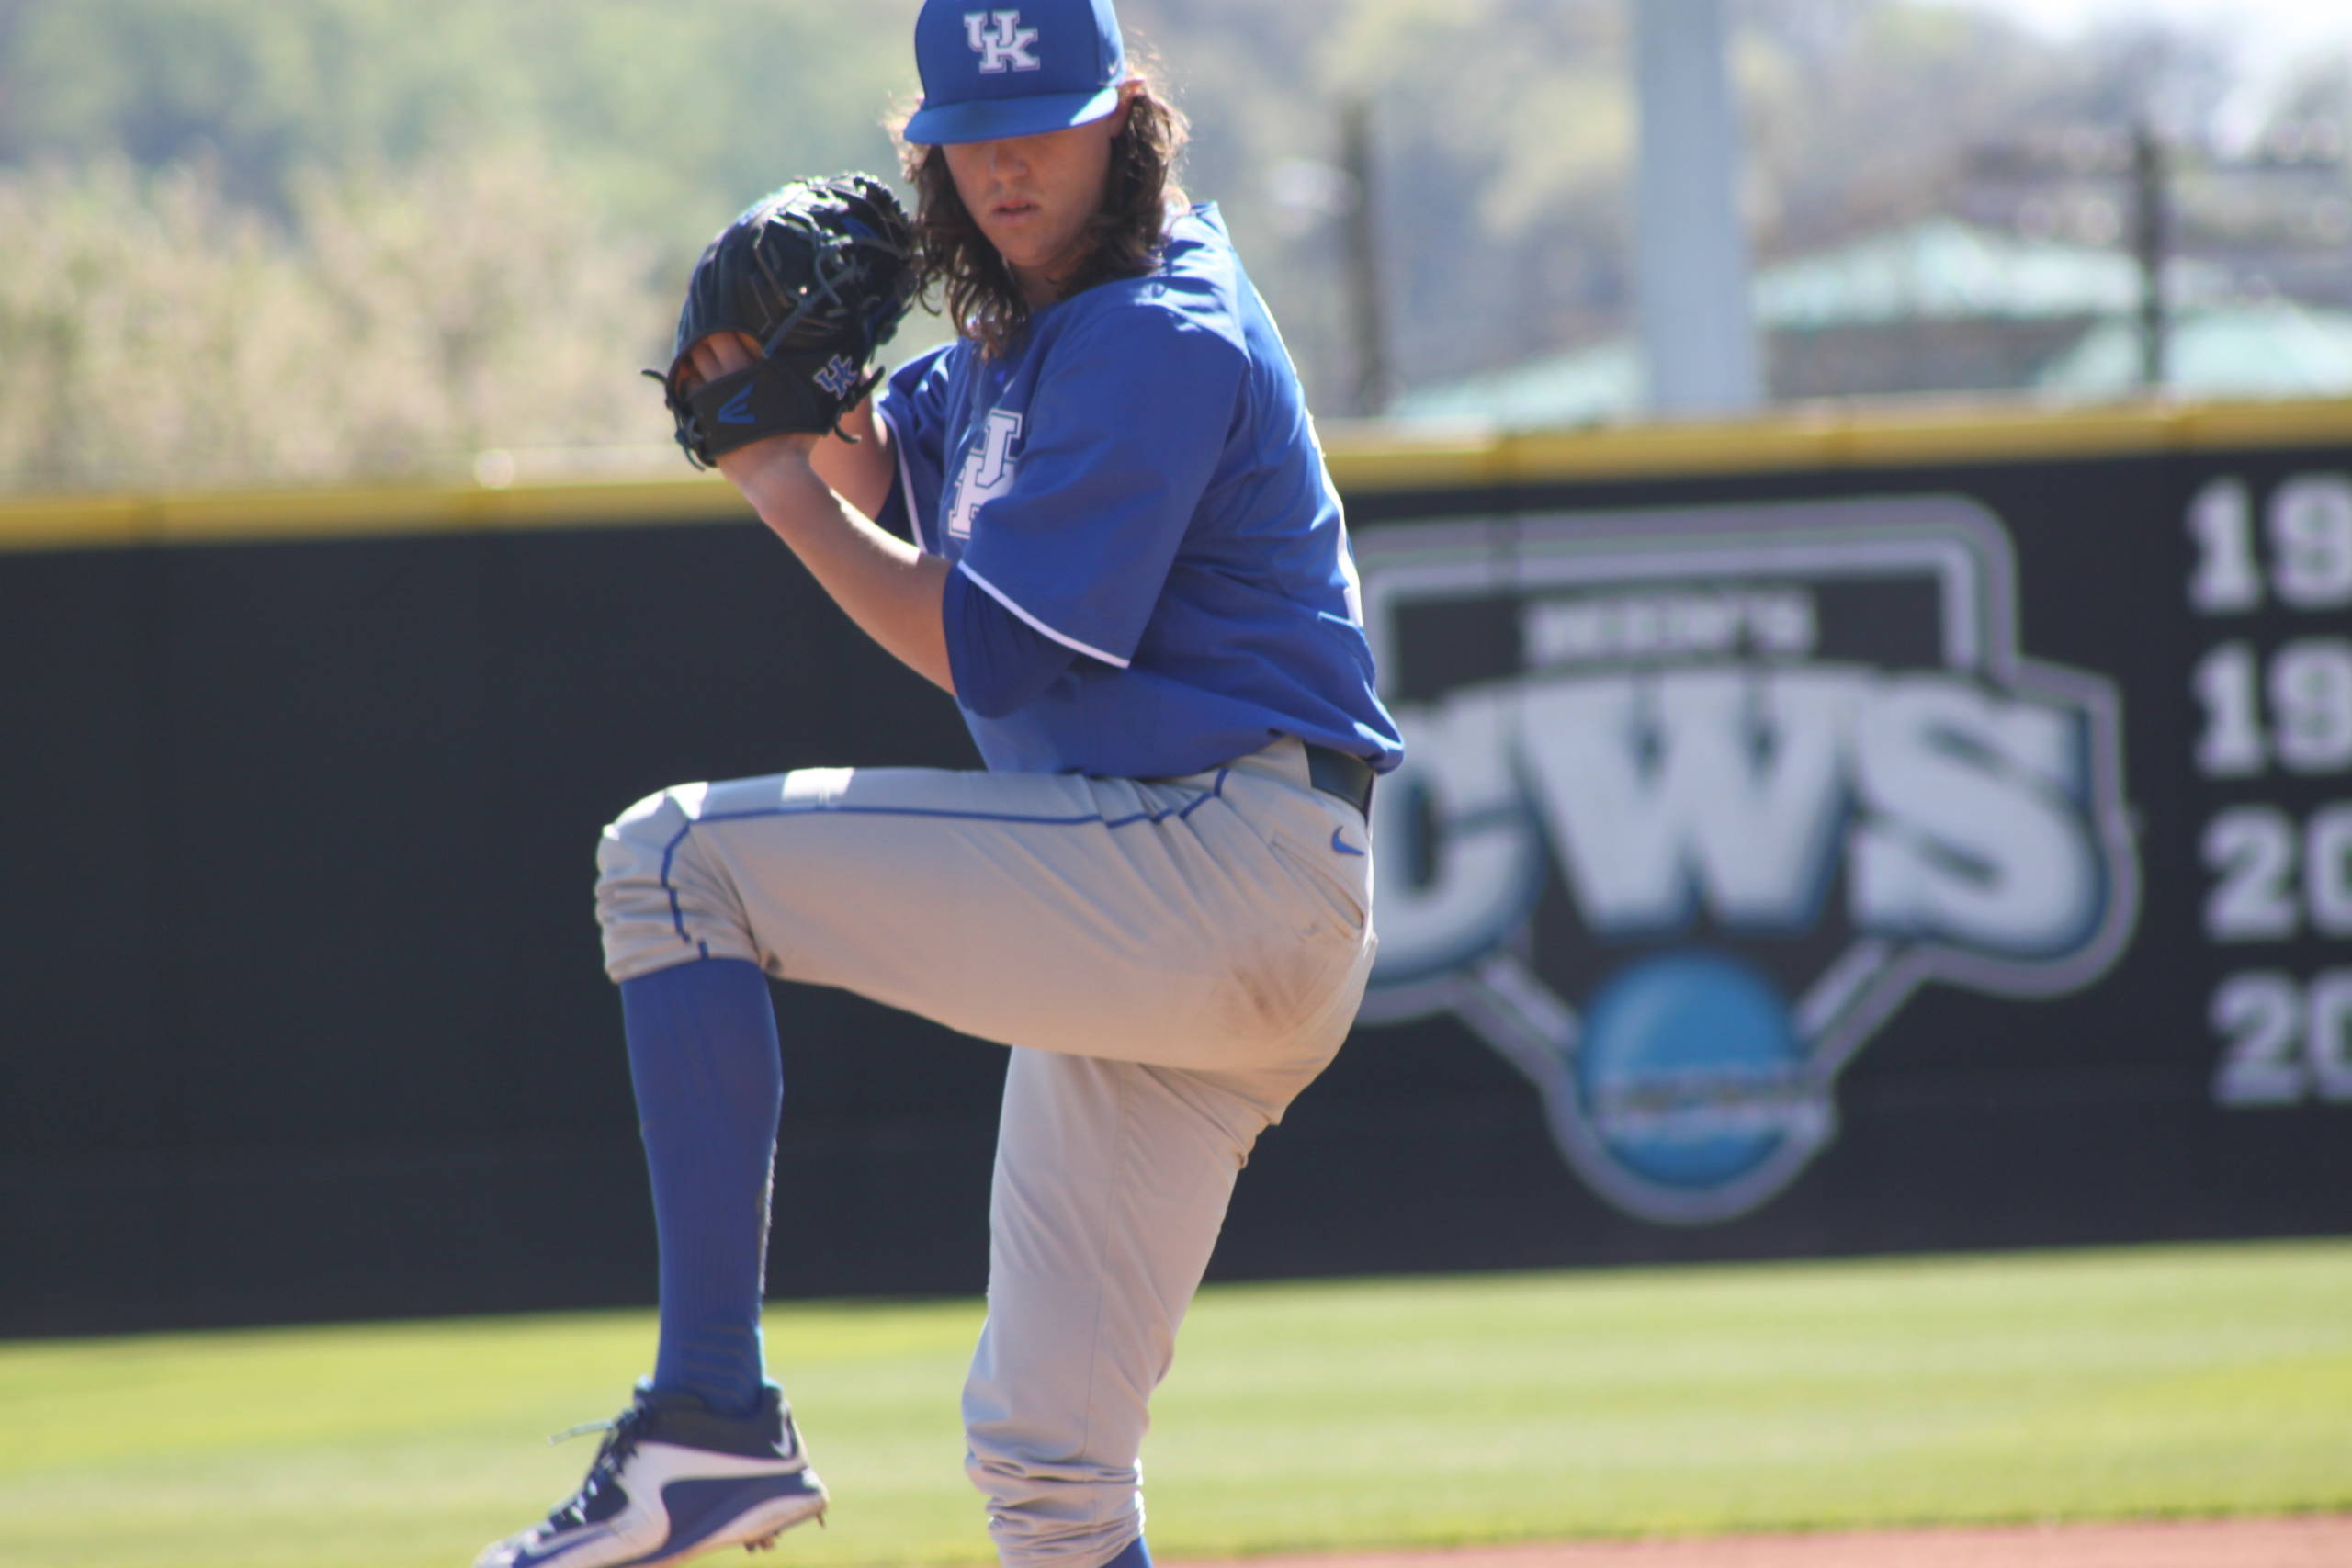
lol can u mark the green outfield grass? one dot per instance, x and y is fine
(2079, 1385)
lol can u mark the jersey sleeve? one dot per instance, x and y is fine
(913, 404)
(1119, 444)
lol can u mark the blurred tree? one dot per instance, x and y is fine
(669, 115)
(1503, 131)
(154, 332)
(236, 195)
(478, 311)
(1833, 90)
(1498, 128)
(129, 344)
(297, 241)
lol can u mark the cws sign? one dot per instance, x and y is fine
(1695, 800)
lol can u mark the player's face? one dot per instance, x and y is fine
(1031, 197)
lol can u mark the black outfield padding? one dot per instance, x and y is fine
(1798, 862)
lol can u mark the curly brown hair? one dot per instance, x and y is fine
(955, 260)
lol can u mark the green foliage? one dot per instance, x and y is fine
(1502, 132)
(244, 241)
(155, 333)
(663, 114)
(105, 324)
(2086, 1385)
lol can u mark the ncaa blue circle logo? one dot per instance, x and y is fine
(1690, 1071)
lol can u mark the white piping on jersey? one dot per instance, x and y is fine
(906, 479)
(1033, 623)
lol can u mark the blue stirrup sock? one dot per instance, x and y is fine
(703, 1054)
(1136, 1554)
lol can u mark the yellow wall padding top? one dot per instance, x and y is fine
(1366, 458)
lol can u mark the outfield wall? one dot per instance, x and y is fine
(1828, 835)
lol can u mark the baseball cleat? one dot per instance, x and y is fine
(672, 1481)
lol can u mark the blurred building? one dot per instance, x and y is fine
(1946, 307)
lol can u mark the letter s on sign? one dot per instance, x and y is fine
(1972, 833)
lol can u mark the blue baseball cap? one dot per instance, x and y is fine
(1019, 70)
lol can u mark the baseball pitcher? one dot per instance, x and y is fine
(1099, 520)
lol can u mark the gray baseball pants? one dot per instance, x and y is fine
(1172, 961)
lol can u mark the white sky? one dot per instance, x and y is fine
(2269, 34)
(2268, 38)
(2273, 24)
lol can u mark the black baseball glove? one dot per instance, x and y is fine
(820, 273)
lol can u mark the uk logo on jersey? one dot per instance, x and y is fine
(1694, 802)
(986, 472)
(1000, 41)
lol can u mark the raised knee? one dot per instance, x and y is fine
(641, 843)
(657, 901)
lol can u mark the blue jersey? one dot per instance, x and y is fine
(1138, 480)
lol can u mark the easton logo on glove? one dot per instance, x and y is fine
(820, 273)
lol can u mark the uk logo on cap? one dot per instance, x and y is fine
(998, 73)
(1000, 41)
